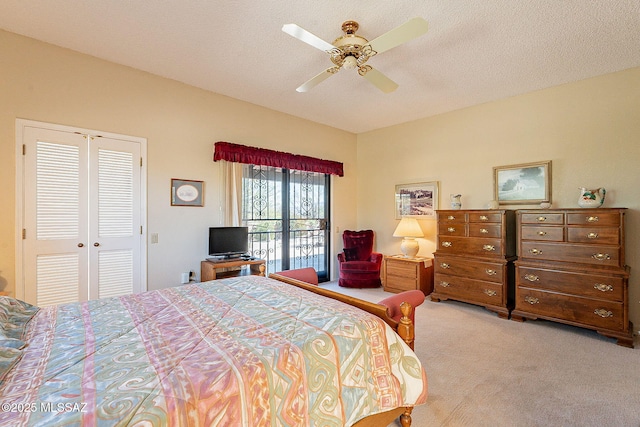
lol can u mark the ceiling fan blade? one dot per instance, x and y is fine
(314, 81)
(307, 37)
(380, 81)
(402, 34)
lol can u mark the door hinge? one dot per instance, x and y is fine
(140, 229)
(140, 161)
(24, 149)
(24, 233)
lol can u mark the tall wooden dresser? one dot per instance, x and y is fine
(571, 269)
(474, 258)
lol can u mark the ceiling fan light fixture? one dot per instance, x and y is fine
(352, 51)
(350, 62)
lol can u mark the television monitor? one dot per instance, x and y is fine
(228, 242)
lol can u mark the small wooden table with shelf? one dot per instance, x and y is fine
(219, 269)
(404, 274)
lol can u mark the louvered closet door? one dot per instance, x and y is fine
(56, 223)
(81, 217)
(114, 229)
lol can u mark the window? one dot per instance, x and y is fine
(287, 214)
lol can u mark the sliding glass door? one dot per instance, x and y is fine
(287, 214)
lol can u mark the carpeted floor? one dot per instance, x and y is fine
(486, 371)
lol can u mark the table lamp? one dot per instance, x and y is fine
(409, 229)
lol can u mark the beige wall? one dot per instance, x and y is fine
(590, 130)
(49, 84)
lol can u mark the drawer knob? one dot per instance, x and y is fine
(444, 265)
(602, 312)
(444, 284)
(490, 272)
(446, 244)
(541, 218)
(451, 229)
(484, 231)
(489, 248)
(451, 217)
(542, 233)
(531, 300)
(484, 218)
(535, 251)
(490, 292)
(601, 256)
(592, 219)
(531, 277)
(592, 236)
(603, 287)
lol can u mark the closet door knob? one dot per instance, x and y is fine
(96, 244)
(80, 245)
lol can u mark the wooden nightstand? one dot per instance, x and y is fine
(404, 274)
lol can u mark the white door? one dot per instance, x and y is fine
(83, 215)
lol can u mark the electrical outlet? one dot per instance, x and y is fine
(154, 237)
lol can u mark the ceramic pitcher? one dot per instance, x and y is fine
(455, 201)
(591, 198)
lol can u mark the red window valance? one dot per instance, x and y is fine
(264, 157)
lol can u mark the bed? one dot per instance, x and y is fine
(244, 351)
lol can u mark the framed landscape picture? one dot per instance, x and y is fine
(417, 200)
(523, 184)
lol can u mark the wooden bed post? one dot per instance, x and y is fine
(406, 328)
(405, 418)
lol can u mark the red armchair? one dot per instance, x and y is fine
(359, 265)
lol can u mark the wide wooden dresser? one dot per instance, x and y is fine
(474, 258)
(571, 269)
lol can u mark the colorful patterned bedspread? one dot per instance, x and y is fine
(246, 351)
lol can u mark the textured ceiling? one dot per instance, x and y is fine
(475, 50)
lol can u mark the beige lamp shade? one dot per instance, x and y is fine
(409, 229)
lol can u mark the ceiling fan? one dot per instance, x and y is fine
(352, 51)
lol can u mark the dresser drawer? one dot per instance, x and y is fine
(470, 245)
(592, 312)
(542, 218)
(594, 235)
(584, 254)
(602, 219)
(485, 230)
(464, 267)
(400, 283)
(476, 291)
(574, 283)
(541, 233)
(402, 269)
(447, 217)
(452, 229)
(495, 217)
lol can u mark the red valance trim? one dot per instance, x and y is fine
(264, 157)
